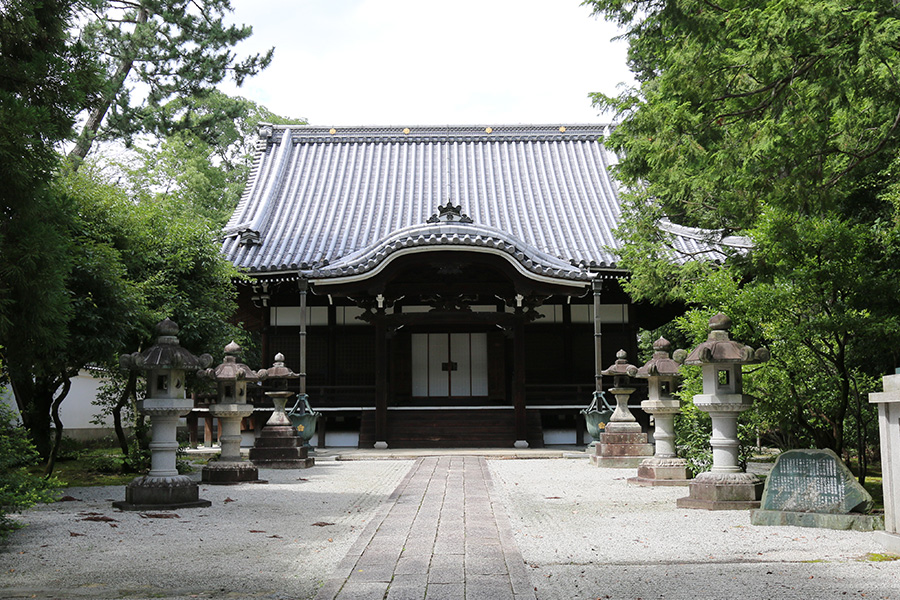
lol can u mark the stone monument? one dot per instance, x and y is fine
(165, 366)
(726, 486)
(662, 374)
(888, 403)
(814, 488)
(278, 445)
(623, 444)
(231, 378)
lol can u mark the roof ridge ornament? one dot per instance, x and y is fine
(449, 213)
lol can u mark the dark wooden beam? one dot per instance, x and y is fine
(597, 287)
(518, 383)
(381, 380)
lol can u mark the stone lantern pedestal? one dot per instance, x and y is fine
(888, 403)
(165, 365)
(623, 444)
(279, 446)
(230, 467)
(662, 374)
(726, 486)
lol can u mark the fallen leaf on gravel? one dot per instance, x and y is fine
(275, 536)
(88, 514)
(160, 516)
(101, 518)
(302, 479)
(73, 534)
(256, 531)
(68, 499)
(227, 500)
(322, 524)
(330, 540)
(553, 498)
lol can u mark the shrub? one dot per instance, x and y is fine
(69, 449)
(104, 463)
(19, 489)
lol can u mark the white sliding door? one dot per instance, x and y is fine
(449, 364)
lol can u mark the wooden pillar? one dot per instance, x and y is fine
(192, 429)
(207, 430)
(518, 383)
(597, 286)
(331, 377)
(381, 383)
(322, 429)
(303, 286)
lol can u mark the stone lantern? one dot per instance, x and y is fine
(726, 485)
(231, 378)
(663, 376)
(623, 444)
(279, 446)
(165, 366)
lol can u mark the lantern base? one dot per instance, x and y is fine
(279, 447)
(662, 471)
(723, 491)
(162, 493)
(621, 450)
(230, 473)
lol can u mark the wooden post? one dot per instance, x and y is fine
(518, 383)
(303, 286)
(597, 286)
(207, 430)
(381, 380)
(192, 429)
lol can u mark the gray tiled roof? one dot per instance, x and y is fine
(337, 202)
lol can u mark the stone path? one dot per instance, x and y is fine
(439, 537)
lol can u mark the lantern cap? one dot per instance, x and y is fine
(231, 369)
(167, 353)
(660, 364)
(720, 348)
(277, 370)
(621, 368)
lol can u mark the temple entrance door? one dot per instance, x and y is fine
(451, 365)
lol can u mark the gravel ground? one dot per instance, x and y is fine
(278, 540)
(586, 533)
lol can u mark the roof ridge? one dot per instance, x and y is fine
(273, 133)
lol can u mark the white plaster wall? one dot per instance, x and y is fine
(77, 410)
(7, 398)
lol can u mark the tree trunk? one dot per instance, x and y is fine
(124, 397)
(54, 413)
(34, 397)
(96, 114)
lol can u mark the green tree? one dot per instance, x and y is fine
(170, 256)
(207, 170)
(69, 295)
(778, 122)
(45, 78)
(166, 49)
(100, 307)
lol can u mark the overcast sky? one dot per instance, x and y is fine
(423, 62)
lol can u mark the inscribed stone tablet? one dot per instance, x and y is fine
(814, 481)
